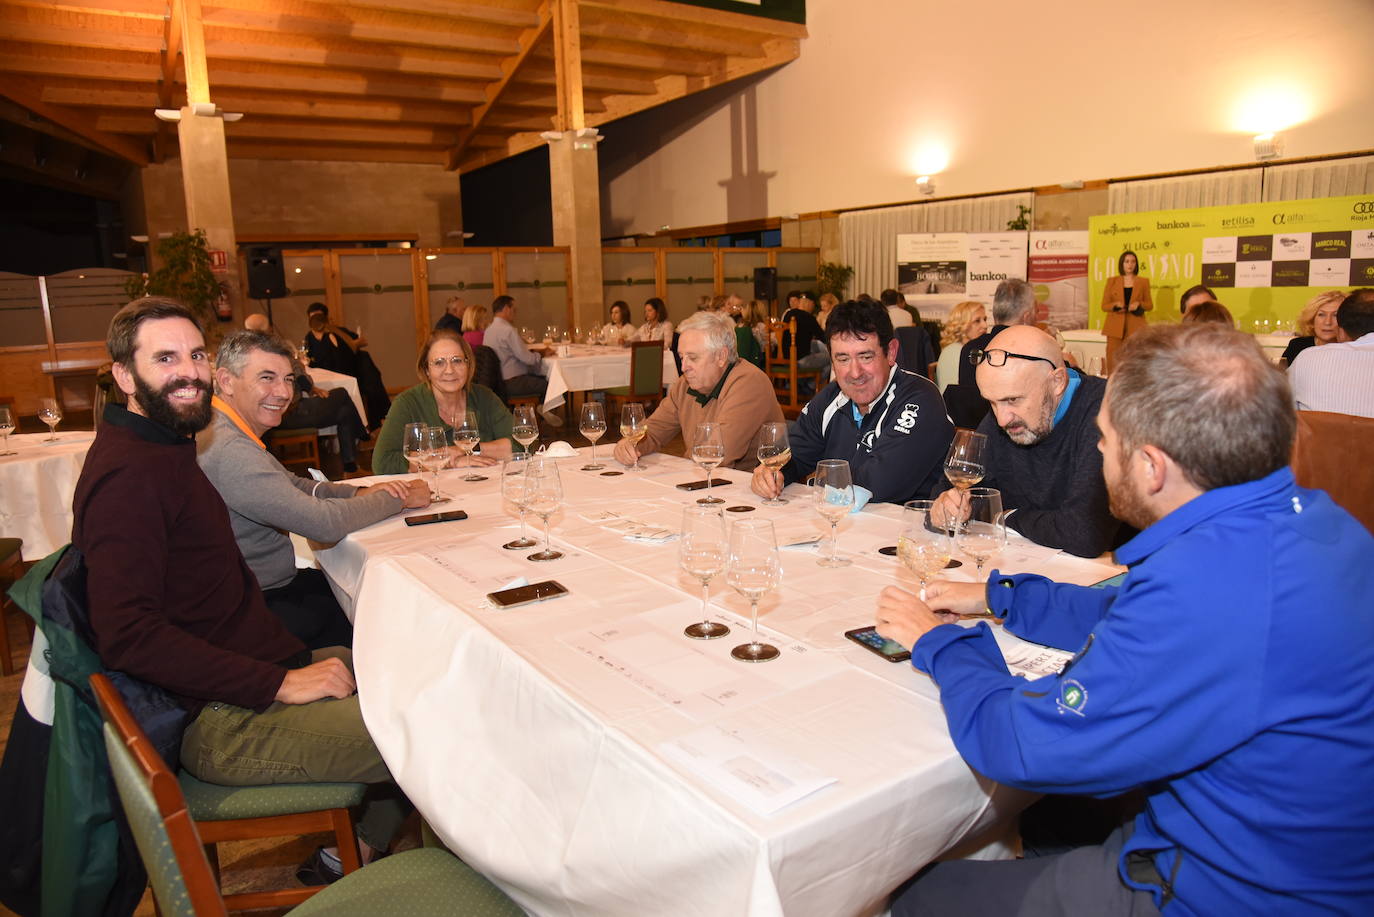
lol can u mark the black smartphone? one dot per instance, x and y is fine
(874, 642)
(527, 595)
(700, 485)
(452, 515)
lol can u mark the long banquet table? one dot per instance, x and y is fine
(36, 487)
(593, 761)
(588, 367)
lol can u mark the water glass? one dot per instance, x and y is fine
(833, 495)
(702, 552)
(753, 569)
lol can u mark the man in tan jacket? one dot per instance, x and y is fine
(715, 385)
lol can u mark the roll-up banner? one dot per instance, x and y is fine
(936, 271)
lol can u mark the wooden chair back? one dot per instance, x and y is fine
(780, 364)
(646, 377)
(1335, 453)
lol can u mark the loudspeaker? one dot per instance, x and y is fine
(766, 283)
(266, 278)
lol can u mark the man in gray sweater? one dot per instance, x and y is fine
(253, 384)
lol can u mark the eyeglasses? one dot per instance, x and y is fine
(999, 358)
(438, 363)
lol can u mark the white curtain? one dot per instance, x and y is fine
(1213, 189)
(1335, 178)
(868, 238)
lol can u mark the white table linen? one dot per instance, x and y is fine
(36, 488)
(326, 379)
(549, 767)
(589, 367)
(1086, 343)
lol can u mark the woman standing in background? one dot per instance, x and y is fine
(1125, 300)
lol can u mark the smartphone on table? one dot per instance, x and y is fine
(527, 595)
(452, 515)
(874, 642)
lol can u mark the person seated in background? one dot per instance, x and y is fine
(1316, 324)
(618, 332)
(253, 384)
(1041, 445)
(258, 322)
(340, 350)
(811, 350)
(520, 362)
(656, 326)
(476, 318)
(902, 314)
(452, 319)
(315, 407)
(715, 386)
(889, 424)
(828, 302)
(746, 342)
(966, 321)
(1226, 678)
(1194, 295)
(1339, 377)
(1013, 303)
(1209, 311)
(445, 396)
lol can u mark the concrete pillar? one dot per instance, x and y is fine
(205, 180)
(576, 189)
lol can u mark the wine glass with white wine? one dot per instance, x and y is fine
(544, 496)
(466, 436)
(413, 445)
(50, 412)
(515, 489)
(633, 427)
(593, 426)
(526, 428)
(774, 452)
(702, 552)
(965, 463)
(833, 493)
(752, 570)
(925, 545)
(6, 428)
(435, 456)
(984, 534)
(708, 451)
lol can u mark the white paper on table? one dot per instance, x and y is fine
(1024, 556)
(761, 778)
(1029, 660)
(797, 533)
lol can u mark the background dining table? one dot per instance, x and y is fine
(592, 760)
(36, 487)
(588, 367)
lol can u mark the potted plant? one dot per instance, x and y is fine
(832, 277)
(184, 275)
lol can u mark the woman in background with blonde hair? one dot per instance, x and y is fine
(828, 302)
(1316, 324)
(475, 322)
(966, 321)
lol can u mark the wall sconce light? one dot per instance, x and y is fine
(1268, 146)
(551, 136)
(925, 185)
(199, 109)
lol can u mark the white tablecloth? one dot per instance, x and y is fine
(327, 380)
(590, 367)
(1086, 343)
(36, 488)
(539, 741)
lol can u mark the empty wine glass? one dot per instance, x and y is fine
(435, 456)
(543, 496)
(984, 534)
(964, 464)
(50, 412)
(702, 552)
(515, 489)
(925, 545)
(833, 493)
(466, 436)
(753, 569)
(526, 428)
(413, 445)
(593, 426)
(633, 427)
(6, 428)
(708, 451)
(774, 452)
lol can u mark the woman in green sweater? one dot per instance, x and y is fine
(444, 397)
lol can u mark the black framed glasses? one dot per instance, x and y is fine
(1000, 357)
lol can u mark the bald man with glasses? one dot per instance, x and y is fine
(1042, 444)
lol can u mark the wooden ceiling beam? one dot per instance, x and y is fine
(567, 62)
(645, 58)
(521, 14)
(242, 44)
(49, 26)
(299, 131)
(254, 149)
(528, 41)
(78, 63)
(676, 14)
(307, 81)
(594, 79)
(163, 143)
(615, 25)
(26, 93)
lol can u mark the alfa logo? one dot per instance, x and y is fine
(906, 421)
(1073, 697)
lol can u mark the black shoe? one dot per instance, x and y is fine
(317, 870)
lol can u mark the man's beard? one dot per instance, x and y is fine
(1034, 433)
(1127, 504)
(158, 407)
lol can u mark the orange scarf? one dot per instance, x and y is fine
(223, 407)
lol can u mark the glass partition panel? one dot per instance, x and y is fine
(738, 272)
(796, 271)
(690, 276)
(379, 299)
(304, 285)
(627, 275)
(539, 283)
(469, 275)
(84, 301)
(21, 311)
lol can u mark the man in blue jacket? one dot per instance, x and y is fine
(889, 424)
(1228, 676)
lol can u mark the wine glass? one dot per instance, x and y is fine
(925, 545)
(515, 488)
(708, 451)
(435, 456)
(751, 570)
(466, 436)
(50, 412)
(774, 452)
(526, 428)
(633, 427)
(6, 428)
(702, 553)
(964, 464)
(413, 444)
(833, 493)
(544, 495)
(593, 426)
(984, 534)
